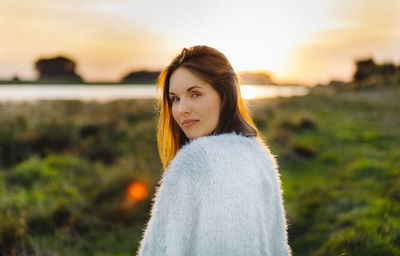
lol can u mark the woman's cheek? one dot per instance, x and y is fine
(173, 110)
(203, 101)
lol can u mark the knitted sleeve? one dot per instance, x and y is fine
(174, 213)
(232, 212)
(218, 197)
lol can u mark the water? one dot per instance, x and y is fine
(102, 93)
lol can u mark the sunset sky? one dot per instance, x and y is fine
(298, 41)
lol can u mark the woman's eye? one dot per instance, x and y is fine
(174, 99)
(195, 95)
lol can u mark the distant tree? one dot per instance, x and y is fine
(337, 83)
(369, 74)
(58, 69)
(387, 69)
(142, 76)
(255, 77)
(364, 68)
(15, 79)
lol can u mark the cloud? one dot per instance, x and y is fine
(103, 44)
(370, 30)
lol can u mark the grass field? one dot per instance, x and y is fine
(66, 169)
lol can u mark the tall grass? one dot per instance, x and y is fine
(66, 167)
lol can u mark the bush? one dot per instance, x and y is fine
(30, 172)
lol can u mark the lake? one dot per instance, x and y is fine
(102, 93)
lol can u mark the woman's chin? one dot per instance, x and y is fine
(191, 135)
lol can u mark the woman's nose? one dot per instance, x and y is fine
(184, 106)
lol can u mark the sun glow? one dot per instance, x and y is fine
(297, 41)
(248, 92)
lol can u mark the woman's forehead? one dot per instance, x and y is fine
(188, 89)
(183, 80)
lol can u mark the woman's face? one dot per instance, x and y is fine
(195, 103)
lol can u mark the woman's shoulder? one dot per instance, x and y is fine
(219, 148)
(211, 144)
(213, 160)
(222, 139)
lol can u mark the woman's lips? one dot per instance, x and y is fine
(189, 123)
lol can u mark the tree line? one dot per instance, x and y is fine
(62, 69)
(369, 74)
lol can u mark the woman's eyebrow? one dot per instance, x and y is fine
(188, 89)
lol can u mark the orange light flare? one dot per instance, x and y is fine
(136, 191)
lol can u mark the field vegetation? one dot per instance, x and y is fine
(70, 172)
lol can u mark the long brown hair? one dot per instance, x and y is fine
(213, 67)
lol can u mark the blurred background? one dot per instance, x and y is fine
(78, 154)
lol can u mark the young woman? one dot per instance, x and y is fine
(220, 192)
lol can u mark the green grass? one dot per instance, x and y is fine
(65, 168)
(341, 177)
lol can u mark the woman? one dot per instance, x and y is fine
(220, 192)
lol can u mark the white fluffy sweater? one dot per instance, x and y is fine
(220, 195)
